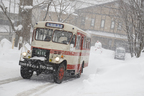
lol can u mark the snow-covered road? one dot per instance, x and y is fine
(40, 85)
(105, 76)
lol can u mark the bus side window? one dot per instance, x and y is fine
(88, 43)
(78, 42)
(73, 40)
(34, 33)
(84, 43)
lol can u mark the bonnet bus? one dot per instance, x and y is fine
(57, 48)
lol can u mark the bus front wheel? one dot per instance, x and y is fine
(59, 74)
(26, 72)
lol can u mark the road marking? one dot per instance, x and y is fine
(34, 90)
(45, 90)
(10, 80)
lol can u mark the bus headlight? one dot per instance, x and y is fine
(57, 59)
(24, 53)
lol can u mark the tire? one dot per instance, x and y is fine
(59, 74)
(26, 72)
(79, 74)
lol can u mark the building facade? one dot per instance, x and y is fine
(104, 23)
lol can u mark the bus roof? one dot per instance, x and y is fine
(59, 25)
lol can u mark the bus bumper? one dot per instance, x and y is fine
(36, 64)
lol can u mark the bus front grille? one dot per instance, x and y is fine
(40, 53)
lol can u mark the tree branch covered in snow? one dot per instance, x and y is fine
(6, 13)
(49, 3)
(4, 9)
(63, 7)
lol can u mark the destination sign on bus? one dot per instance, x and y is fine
(54, 25)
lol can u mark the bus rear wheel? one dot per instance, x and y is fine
(80, 72)
(26, 72)
(59, 74)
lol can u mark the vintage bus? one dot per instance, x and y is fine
(57, 48)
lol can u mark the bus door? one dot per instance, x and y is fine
(79, 44)
(81, 51)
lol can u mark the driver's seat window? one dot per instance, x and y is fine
(62, 39)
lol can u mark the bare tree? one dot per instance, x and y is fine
(54, 10)
(6, 13)
(38, 9)
(25, 17)
(131, 14)
(24, 26)
(63, 9)
(48, 5)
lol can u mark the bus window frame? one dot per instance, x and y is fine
(84, 42)
(62, 30)
(33, 35)
(43, 28)
(77, 42)
(88, 42)
(74, 40)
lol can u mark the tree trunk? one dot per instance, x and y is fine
(25, 17)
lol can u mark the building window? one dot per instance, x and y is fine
(83, 21)
(92, 22)
(76, 20)
(102, 23)
(119, 26)
(110, 44)
(112, 25)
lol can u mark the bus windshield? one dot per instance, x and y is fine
(43, 34)
(61, 36)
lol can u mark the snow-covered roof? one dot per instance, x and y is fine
(113, 35)
(88, 3)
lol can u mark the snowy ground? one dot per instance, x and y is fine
(105, 76)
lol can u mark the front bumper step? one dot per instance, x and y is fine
(36, 64)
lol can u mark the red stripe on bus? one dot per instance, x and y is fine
(53, 51)
(71, 66)
(75, 66)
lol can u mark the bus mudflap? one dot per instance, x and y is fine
(36, 64)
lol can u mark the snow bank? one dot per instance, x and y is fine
(114, 77)
(9, 59)
(5, 44)
(104, 76)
